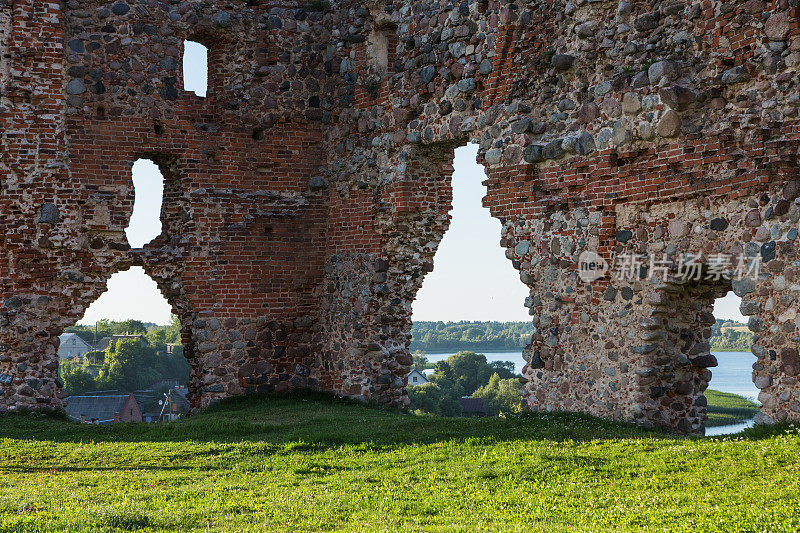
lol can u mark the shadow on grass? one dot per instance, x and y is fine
(314, 421)
(5, 469)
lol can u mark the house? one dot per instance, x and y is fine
(104, 343)
(104, 408)
(71, 345)
(472, 406)
(176, 406)
(416, 378)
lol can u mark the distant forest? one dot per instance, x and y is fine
(443, 337)
(730, 336)
(433, 337)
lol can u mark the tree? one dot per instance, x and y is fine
(131, 327)
(433, 399)
(473, 336)
(419, 360)
(129, 366)
(174, 366)
(96, 357)
(76, 379)
(462, 374)
(173, 331)
(157, 338)
(500, 395)
(470, 370)
(505, 369)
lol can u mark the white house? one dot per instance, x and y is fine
(417, 378)
(72, 346)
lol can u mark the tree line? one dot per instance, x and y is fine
(157, 336)
(725, 338)
(434, 337)
(442, 337)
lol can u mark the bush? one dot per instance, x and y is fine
(500, 395)
(432, 399)
(76, 378)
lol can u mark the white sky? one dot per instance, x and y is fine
(728, 308)
(132, 293)
(472, 279)
(195, 68)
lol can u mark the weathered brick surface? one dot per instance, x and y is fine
(306, 196)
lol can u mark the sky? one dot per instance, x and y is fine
(132, 293)
(471, 280)
(728, 308)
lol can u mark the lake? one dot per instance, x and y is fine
(734, 373)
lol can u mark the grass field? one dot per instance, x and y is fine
(317, 464)
(725, 408)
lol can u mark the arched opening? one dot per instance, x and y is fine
(702, 381)
(123, 361)
(145, 223)
(469, 322)
(195, 68)
(731, 395)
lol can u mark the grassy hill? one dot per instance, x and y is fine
(317, 464)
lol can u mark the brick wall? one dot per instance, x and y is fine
(306, 195)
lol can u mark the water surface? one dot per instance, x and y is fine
(734, 374)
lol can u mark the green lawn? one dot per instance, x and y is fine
(725, 408)
(317, 464)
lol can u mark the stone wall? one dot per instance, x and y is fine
(307, 194)
(612, 127)
(239, 258)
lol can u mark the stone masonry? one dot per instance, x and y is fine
(306, 195)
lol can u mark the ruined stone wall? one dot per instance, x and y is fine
(592, 117)
(244, 210)
(307, 194)
(33, 163)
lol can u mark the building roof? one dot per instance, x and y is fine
(100, 408)
(472, 405)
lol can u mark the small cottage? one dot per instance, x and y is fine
(416, 378)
